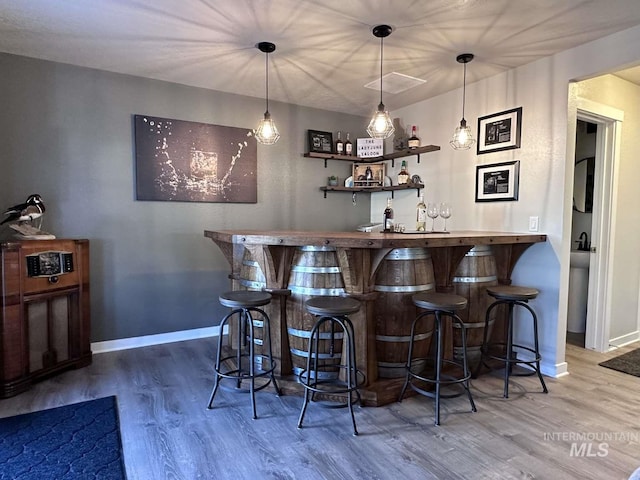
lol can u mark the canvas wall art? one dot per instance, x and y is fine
(184, 161)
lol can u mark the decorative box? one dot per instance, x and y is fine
(368, 175)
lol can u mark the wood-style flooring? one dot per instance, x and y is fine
(168, 433)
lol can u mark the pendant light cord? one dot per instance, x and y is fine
(266, 68)
(381, 54)
(464, 88)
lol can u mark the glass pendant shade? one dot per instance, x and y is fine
(462, 137)
(381, 125)
(267, 132)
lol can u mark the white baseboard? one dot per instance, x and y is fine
(625, 339)
(148, 340)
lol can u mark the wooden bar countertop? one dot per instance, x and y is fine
(371, 239)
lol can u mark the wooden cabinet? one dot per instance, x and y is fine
(44, 310)
(389, 156)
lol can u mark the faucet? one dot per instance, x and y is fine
(583, 242)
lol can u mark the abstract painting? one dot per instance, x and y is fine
(183, 161)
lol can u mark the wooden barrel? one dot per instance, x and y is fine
(314, 272)
(476, 272)
(402, 273)
(252, 278)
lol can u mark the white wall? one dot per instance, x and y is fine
(541, 88)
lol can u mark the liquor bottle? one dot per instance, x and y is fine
(403, 176)
(421, 215)
(387, 218)
(348, 146)
(339, 144)
(414, 141)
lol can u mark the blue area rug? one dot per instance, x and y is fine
(79, 441)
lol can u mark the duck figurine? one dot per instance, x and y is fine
(28, 211)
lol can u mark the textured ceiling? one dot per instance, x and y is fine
(326, 51)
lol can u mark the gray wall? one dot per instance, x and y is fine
(67, 133)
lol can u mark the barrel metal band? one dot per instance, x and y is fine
(489, 278)
(252, 284)
(408, 254)
(474, 324)
(480, 251)
(404, 338)
(332, 292)
(403, 288)
(302, 269)
(319, 375)
(317, 248)
(319, 355)
(307, 334)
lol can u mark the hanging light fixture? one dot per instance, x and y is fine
(462, 137)
(267, 132)
(381, 125)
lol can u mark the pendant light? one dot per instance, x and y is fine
(267, 132)
(462, 137)
(381, 125)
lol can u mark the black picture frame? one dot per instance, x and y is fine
(498, 182)
(320, 142)
(499, 131)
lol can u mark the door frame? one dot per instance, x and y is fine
(608, 139)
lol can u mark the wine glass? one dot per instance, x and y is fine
(445, 212)
(432, 213)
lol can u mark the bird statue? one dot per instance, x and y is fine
(28, 211)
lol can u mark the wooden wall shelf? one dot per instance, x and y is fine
(392, 188)
(407, 152)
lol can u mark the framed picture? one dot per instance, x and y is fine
(368, 175)
(500, 131)
(321, 142)
(182, 161)
(497, 182)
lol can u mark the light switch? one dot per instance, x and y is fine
(533, 224)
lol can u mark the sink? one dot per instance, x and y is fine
(578, 290)
(579, 259)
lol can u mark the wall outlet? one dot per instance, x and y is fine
(533, 224)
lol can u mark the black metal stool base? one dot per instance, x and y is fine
(334, 311)
(439, 305)
(247, 368)
(512, 296)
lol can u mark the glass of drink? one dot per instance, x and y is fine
(445, 212)
(432, 213)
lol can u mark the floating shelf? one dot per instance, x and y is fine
(392, 188)
(407, 152)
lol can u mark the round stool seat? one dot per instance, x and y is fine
(244, 298)
(332, 306)
(512, 292)
(439, 301)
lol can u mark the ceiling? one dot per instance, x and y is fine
(326, 51)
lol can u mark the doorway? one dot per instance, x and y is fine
(597, 224)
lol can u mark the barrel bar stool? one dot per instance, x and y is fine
(245, 303)
(335, 311)
(440, 305)
(511, 296)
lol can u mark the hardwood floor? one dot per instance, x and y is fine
(168, 433)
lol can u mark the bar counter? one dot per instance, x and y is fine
(359, 255)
